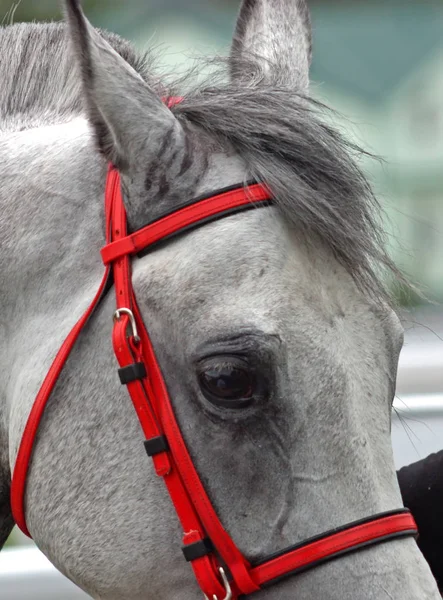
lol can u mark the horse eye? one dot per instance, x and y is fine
(227, 381)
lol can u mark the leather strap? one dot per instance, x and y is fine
(18, 484)
(129, 350)
(334, 544)
(184, 218)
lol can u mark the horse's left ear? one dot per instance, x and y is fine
(275, 37)
(126, 113)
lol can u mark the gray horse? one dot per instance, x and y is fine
(284, 302)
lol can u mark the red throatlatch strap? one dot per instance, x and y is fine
(18, 485)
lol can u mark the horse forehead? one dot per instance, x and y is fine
(257, 255)
(226, 253)
(243, 265)
(255, 251)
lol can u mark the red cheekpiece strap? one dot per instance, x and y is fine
(129, 351)
(234, 559)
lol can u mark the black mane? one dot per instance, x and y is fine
(310, 168)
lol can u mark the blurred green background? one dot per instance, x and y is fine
(379, 63)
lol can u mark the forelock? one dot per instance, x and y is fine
(310, 169)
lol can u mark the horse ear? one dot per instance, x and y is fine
(275, 38)
(124, 110)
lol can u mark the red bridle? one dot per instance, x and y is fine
(207, 545)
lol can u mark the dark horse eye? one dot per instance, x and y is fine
(227, 381)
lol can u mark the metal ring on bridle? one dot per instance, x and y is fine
(226, 584)
(126, 311)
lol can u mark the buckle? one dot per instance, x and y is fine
(227, 587)
(125, 311)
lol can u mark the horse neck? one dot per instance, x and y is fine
(51, 230)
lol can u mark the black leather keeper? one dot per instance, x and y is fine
(156, 445)
(132, 373)
(198, 549)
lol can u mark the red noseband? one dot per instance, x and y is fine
(206, 544)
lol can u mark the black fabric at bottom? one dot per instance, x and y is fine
(421, 485)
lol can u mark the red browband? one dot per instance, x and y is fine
(206, 543)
